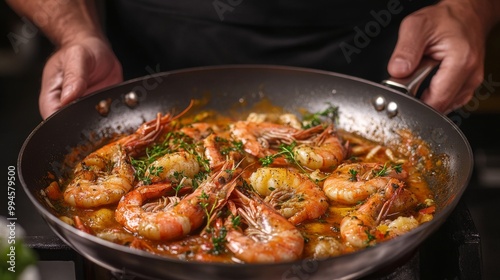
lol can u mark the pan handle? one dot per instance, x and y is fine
(410, 84)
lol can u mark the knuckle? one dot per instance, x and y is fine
(417, 19)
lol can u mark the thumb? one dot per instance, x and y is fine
(409, 48)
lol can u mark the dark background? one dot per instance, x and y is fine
(20, 73)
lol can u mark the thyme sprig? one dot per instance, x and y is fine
(218, 242)
(354, 175)
(331, 114)
(229, 146)
(398, 168)
(285, 151)
(205, 205)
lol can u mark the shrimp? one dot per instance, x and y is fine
(286, 119)
(314, 151)
(294, 195)
(320, 247)
(258, 137)
(322, 240)
(358, 228)
(219, 149)
(215, 147)
(105, 175)
(198, 131)
(401, 225)
(269, 237)
(354, 182)
(181, 219)
(324, 153)
(95, 184)
(167, 166)
(148, 133)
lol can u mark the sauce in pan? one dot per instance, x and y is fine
(265, 188)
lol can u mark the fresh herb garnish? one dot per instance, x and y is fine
(284, 151)
(229, 146)
(370, 237)
(235, 221)
(173, 142)
(331, 113)
(205, 203)
(382, 172)
(353, 174)
(218, 242)
(398, 168)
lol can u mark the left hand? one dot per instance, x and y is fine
(452, 32)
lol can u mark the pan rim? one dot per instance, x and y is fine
(48, 215)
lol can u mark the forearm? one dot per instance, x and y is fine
(488, 11)
(62, 21)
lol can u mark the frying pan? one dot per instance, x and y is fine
(373, 110)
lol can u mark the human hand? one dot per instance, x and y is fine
(452, 32)
(76, 69)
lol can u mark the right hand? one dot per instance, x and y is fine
(76, 69)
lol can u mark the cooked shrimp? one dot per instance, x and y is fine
(322, 239)
(167, 166)
(181, 219)
(216, 148)
(197, 131)
(286, 119)
(294, 195)
(105, 175)
(258, 138)
(95, 183)
(320, 247)
(148, 132)
(358, 228)
(401, 225)
(324, 153)
(219, 149)
(212, 151)
(354, 182)
(269, 236)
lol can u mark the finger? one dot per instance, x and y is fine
(75, 74)
(410, 46)
(50, 93)
(114, 76)
(452, 86)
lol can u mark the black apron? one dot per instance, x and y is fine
(354, 37)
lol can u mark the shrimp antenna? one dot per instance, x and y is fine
(387, 205)
(191, 103)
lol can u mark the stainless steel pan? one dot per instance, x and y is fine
(374, 110)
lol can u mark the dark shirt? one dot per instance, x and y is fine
(354, 37)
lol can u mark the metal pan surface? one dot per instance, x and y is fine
(234, 88)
